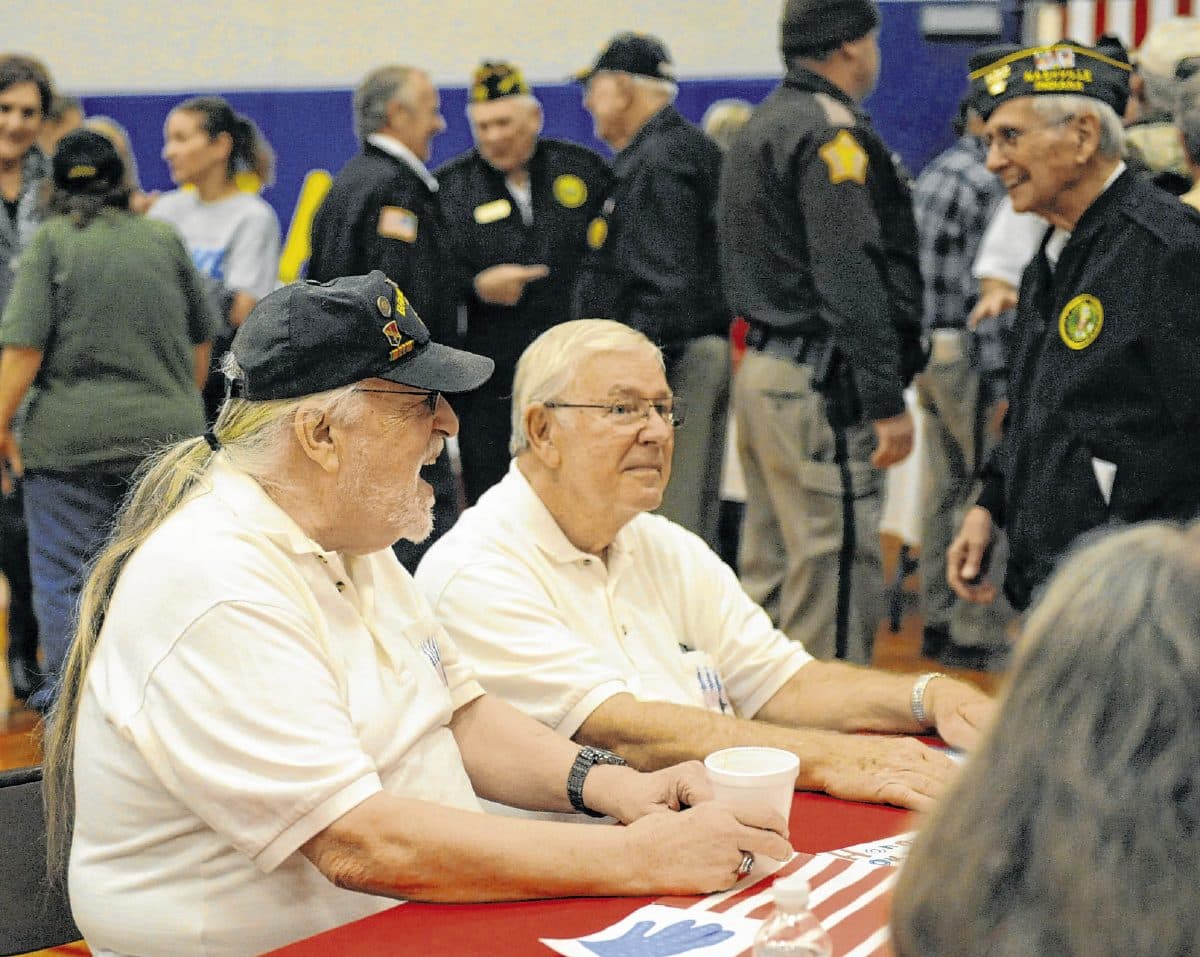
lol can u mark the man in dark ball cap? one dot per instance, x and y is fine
(651, 261)
(819, 253)
(1104, 417)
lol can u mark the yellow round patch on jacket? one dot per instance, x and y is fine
(1080, 321)
(570, 190)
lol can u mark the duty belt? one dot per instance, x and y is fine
(797, 347)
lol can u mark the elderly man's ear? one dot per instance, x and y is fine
(540, 427)
(315, 436)
(1087, 129)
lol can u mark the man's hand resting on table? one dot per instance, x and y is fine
(960, 712)
(885, 769)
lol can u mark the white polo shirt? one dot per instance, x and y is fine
(249, 689)
(556, 632)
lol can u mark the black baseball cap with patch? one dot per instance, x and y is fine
(636, 53)
(310, 337)
(86, 162)
(1065, 67)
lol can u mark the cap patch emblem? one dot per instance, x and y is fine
(597, 232)
(396, 222)
(846, 159)
(81, 171)
(1081, 321)
(570, 191)
(399, 345)
(384, 305)
(1054, 58)
(997, 80)
(492, 212)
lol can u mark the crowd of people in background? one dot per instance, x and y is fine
(1035, 284)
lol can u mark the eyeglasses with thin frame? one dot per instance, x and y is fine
(431, 398)
(631, 413)
(1006, 138)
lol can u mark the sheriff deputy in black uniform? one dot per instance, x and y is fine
(819, 254)
(514, 212)
(381, 213)
(652, 259)
(1104, 420)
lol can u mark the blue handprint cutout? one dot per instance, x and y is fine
(676, 938)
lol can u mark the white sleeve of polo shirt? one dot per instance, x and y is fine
(521, 648)
(243, 722)
(755, 659)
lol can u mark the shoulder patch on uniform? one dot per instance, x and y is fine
(837, 112)
(846, 159)
(396, 222)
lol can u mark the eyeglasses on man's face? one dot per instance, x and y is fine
(1007, 138)
(431, 398)
(630, 413)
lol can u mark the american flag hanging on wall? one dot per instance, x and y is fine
(1085, 20)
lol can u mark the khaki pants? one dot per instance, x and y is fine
(700, 379)
(792, 533)
(956, 443)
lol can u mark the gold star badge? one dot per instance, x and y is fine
(847, 161)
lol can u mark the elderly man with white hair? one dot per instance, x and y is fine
(1104, 421)
(263, 733)
(622, 630)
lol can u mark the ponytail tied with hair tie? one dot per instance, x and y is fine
(213, 442)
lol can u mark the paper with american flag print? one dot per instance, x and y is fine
(851, 898)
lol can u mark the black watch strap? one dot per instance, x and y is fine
(587, 758)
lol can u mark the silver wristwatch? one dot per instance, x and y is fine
(585, 760)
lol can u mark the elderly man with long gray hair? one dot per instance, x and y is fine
(263, 732)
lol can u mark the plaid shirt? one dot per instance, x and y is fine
(954, 199)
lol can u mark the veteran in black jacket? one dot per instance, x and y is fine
(652, 257)
(381, 213)
(514, 212)
(1104, 425)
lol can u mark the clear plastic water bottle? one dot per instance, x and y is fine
(793, 930)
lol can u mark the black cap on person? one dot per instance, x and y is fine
(636, 53)
(812, 27)
(1065, 67)
(310, 337)
(87, 162)
(496, 79)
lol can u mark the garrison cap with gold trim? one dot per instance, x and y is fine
(495, 79)
(1064, 67)
(309, 337)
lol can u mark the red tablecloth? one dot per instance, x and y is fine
(818, 823)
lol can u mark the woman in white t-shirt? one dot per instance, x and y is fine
(231, 233)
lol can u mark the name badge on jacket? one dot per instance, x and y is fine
(493, 212)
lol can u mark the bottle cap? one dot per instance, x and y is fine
(791, 892)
